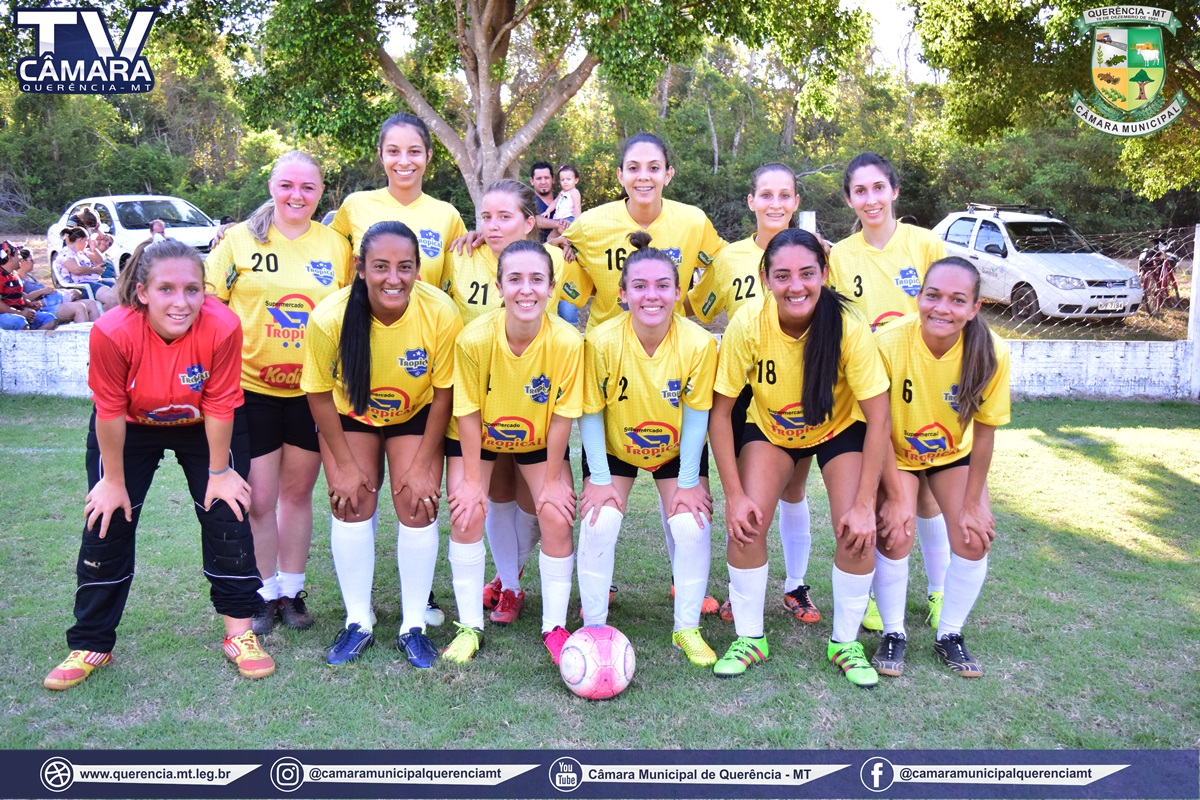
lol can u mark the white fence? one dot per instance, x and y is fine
(55, 363)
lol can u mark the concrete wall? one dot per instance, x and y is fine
(45, 362)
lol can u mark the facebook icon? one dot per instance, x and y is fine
(877, 774)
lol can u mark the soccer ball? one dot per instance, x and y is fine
(597, 663)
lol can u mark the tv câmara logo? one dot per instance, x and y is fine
(1128, 70)
(75, 52)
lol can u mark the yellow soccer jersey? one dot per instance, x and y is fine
(517, 396)
(731, 280)
(435, 223)
(471, 281)
(409, 358)
(754, 349)
(884, 284)
(600, 237)
(640, 394)
(274, 288)
(924, 396)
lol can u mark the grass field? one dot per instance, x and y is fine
(1087, 627)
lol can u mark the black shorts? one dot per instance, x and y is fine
(962, 462)
(737, 417)
(668, 469)
(527, 457)
(276, 421)
(452, 447)
(412, 427)
(848, 441)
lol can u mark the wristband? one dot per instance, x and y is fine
(220, 472)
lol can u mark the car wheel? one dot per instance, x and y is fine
(1025, 306)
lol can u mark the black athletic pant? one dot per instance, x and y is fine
(105, 567)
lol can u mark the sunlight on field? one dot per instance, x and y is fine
(1110, 484)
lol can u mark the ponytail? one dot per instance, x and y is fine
(354, 349)
(259, 223)
(822, 356)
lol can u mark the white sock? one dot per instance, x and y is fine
(290, 583)
(352, 545)
(693, 546)
(795, 532)
(528, 535)
(666, 526)
(891, 591)
(466, 571)
(416, 558)
(935, 550)
(502, 540)
(850, 595)
(556, 589)
(270, 588)
(964, 580)
(747, 593)
(595, 559)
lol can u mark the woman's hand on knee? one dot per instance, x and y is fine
(596, 496)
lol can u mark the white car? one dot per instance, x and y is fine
(1039, 265)
(127, 217)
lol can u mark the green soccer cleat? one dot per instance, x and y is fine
(694, 647)
(744, 653)
(466, 644)
(871, 620)
(849, 658)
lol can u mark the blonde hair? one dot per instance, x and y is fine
(141, 262)
(260, 221)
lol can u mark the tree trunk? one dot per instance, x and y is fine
(664, 87)
(737, 137)
(713, 129)
(788, 139)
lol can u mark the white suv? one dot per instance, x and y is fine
(1039, 264)
(127, 217)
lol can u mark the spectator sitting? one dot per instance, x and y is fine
(98, 241)
(68, 305)
(75, 268)
(16, 311)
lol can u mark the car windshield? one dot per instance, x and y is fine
(1047, 237)
(138, 214)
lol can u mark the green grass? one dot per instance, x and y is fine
(1087, 626)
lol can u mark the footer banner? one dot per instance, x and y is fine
(602, 773)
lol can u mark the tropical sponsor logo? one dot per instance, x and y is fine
(674, 254)
(672, 392)
(194, 377)
(289, 319)
(281, 376)
(431, 243)
(76, 54)
(927, 443)
(415, 362)
(386, 406)
(1128, 62)
(538, 389)
(511, 433)
(789, 422)
(322, 271)
(651, 440)
(909, 280)
(884, 319)
(173, 414)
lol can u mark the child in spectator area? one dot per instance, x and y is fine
(83, 270)
(68, 305)
(164, 374)
(18, 311)
(568, 205)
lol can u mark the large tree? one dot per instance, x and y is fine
(488, 75)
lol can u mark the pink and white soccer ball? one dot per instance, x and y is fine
(597, 663)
